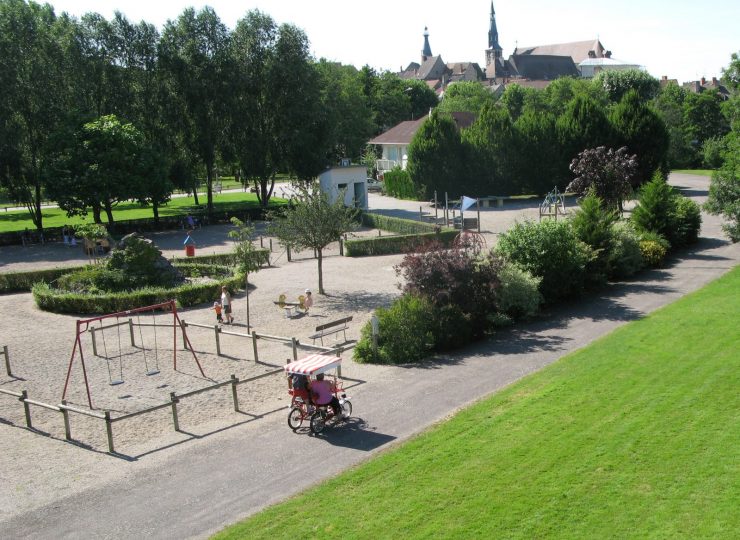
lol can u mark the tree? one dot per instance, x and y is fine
(466, 96)
(313, 222)
(245, 257)
(536, 135)
(34, 98)
(195, 60)
(724, 190)
(105, 162)
(731, 74)
(492, 144)
(703, 117)
(617, 83)
(606, 172)
(669, 105)
(436, 157)
(644, 133)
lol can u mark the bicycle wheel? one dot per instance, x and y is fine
(295, 418)
(318, 422)
(346, 409)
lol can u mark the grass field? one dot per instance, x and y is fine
(179, 206)
(700, 172)
(635, 436)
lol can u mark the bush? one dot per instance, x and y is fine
(712, 151)
(262, 255)
(453, 328)
(396, 225)
(388, 245)
(625, 258)
(653, 212)
(550, 250)
(592, 224)
(518, 296)
(398, 184)
(61, 301)
(24, 281)
(653, 253)
(686, 218)
(405, 333)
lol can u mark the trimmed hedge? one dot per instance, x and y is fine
(388, 245)
(262, 254)
(24, 281)
(57, 301)
(396, 225)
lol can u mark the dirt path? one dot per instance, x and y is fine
(223, 465)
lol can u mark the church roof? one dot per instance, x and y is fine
(428, 67)
(577, 50)
(543, 67)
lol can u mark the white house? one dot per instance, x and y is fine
(593, 66)
(352, 179)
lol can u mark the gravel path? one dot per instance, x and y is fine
(224, 465)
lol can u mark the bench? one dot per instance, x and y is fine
(330, 328)
(492, 200)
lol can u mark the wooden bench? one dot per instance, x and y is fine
(330, 328)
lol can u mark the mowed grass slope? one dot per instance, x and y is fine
(635, 436)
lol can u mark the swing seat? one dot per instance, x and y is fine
(116, 382)
(153, 372)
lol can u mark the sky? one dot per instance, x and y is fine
(681, 38)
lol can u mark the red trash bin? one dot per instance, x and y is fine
(190, 250)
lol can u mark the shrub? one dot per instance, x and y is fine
(518, 296)
(550, 250)
(262, 255)
(724, 192)
(453, 328)
(686, 218)
(24, 281)
(653, 253)
(405, 333)
(592, 224)
(625, 258)
(398, 184)
(387, 245)
(653, 213)
(396, 225)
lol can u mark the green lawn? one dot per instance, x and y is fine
(635, 436)
(700, 172)
(179, 206)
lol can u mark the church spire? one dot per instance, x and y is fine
(493, 31)
(426, 52)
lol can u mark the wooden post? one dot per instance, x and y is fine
(270, 245)
(65, 415)
(294, 342)
(341, 247)
(262, 245)
(234, 382)
(183, 324)
(435, 205)
(477, 205)
(216, 331)
(254, 346)
(7, 360)
(94, 342)
(339, 367)
(421, 214)
(26, 407)
(109, 431)
(287, 250)
(131, 333)
(174, 401)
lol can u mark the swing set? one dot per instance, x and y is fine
(148, 349)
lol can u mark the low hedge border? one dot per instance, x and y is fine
(389, 245)
(24, 281)
(396, 225)
(262, 254)
(56, 301)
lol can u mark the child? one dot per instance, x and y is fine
(217, 309)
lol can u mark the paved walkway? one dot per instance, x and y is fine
(196, 489)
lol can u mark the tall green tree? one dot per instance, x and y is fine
(466, 96)
(436, 157)
(493, 150)
(34, 98)
(617, 83)
(536, 135)
(669, 105)
(105, 162)
(313, 222)
(731, 74)
(638, 127)
(195, 59)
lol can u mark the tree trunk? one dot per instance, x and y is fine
(155, 210)
(96, 213)
(195, 193)
(209, 187)
(38, 217)
(321, 273)
(109, 212)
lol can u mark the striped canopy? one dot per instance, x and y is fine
(314, 364)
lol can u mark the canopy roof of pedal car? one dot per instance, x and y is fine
(314, 364)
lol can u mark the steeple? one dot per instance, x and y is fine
(493, 32)
(426, 52)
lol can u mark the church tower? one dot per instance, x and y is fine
(494, 53)
(426, 52)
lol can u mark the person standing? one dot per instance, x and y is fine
(308, 301)
(226, 304)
